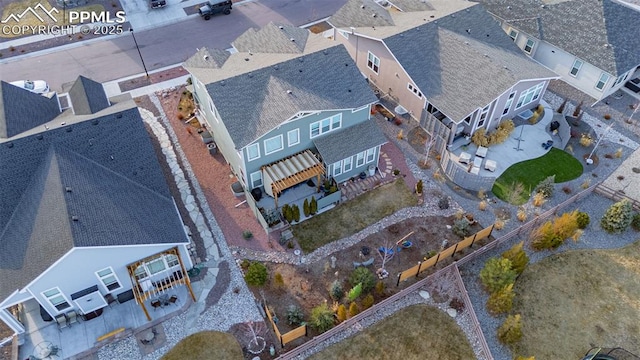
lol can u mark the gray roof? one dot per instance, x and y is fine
(87, 96)
(412, 5)
(462, 61)
(206, 58)
(603, 33)
(252, 104)
(21, 109)
(357, 13)
(102, 171)
(349, 141)
(272, 38)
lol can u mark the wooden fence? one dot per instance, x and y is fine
(616, 195)
(288, 337)
(446, 253)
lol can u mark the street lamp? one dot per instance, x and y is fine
(139, 53)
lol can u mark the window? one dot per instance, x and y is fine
(467, 120)
(577, 64)
(109, 279)
(172, 260)
(371, 155)
(507, 106)
(360, 159)
(293, 137)
(273, 144)
(55, 297)
(326, 125)
(414, 90)
(337, 168)
(253, 152)
(621, 78)
(530, 95)
(347, 164)
(529, 46)
(256, 179)
(483, 116)
(140, 273)
(373, 62)
(513, 34)
(155, 266)
(602, 81)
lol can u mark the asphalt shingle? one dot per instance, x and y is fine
(87, 96)
(272, 38)
(349, 141)
(21, 109)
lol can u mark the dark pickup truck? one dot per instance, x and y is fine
(215, 7)
(158, 3)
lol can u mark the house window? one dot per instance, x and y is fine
(108, 279)
(414, 90)
(256, 179)
(371, 155)
(577, 64)
(507, 106)
(513, 34)
(140, 273)
(293, 137)
(253, 152)
(530, 95)
(373, 62)
(467, 120)
(155, 266)
(337, 168)
(55, 297)
(528, 47)
(483, 116)
(360, 159)
(172, 260)
(602, 81)
(273, 144)
(326, 125)
(347, 164)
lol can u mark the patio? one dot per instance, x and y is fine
(82, 338)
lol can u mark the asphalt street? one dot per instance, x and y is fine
(106, 60)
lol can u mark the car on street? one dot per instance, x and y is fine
(36, 86)
(215, 7)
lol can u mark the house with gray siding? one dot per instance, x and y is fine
(446, 62)
(592, 44)
(287, 106)
(87, 216)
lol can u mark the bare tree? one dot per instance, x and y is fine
(253, 333)
(427, 148)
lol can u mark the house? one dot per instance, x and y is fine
(287, 106)
(87, 216)
(592, 44)
(446, 62)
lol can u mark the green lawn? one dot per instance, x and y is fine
(354, 215)
(531, 172)
(203, 346)
(417, 332)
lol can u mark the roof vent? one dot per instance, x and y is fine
(95, 121)
(468, 31)
(39, 137)
(74, 218)
(361, 6)
(69, 129)
(111, 157)
(466, 43)
(301, 59)
(349, 90)
(280, 27)
(543, 6)
(299, 70)
(276, 67)
(63, 123)
(289, 92)
(325, 52)
(46, 127)
(486, 55)
(505, 67)
(509, 7)
(432, 16)
(250, 75)
(221, 82)
(246, 59)
(10, 145)
(346, 64)
(374, 15)
(67, 189)
(453, 15)
(119, 116)
(91, 142)
(292, 39)
(206, 58)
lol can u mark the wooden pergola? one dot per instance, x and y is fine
(148, 288)
(292, 171)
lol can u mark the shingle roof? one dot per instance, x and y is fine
(601, 32)
(272, 38)
(462, 61)
(207, 59)
(21, 109)
(254, 103)
(87, 96)
(357, 13)
(348, 141)
(117, 192)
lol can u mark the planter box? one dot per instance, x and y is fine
(329, 199)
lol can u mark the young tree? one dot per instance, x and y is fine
(295, 315)
(322, 317)
(363, 276)
(517, 256)
(510, 331)
(353, 309)
(306, 208)
(336, 291)
(618, 217)
(256, 274)
(341, 314)
(497, 273)
(313, 206)
(501, 301)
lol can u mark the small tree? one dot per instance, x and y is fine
(313, 206)
(336, 291)
(583, 219)
(287, 213)
(419, 186)
(517, 256)
(380, 288)
(561, 108)
(296, 213)
(367, 302)
(635, 222)
(618, 217)
(497, 273)
(510, 331)
(501, 301)
(461, 227)
(364, 277)
(353, 309)
(278, 281)
(322, 318)
(341, 314)
(577, 110)
(546, 186)
(566, 225)
(295, 316)
(306, 208)
(355, 292)
(256, 274)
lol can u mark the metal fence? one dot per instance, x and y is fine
(616, 195)
(460, 176)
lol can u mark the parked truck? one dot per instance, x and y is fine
(158, 3)
(215, 7)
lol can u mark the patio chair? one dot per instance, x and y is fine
(465, 157)
(173, 299)
(490, 165)
(156, 304)
(61, 320)
(72, 317)
(482, 151)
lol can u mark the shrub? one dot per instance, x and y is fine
(443, 203)
(586, 140)
(313, 206)
(517, 256)
(355, 292)
(278, 281)
(353, 309)
(607, 116)
(367, 302)
(534, 118)
(305, 208)
(497, 273)
(256, 274)
(576, 111)
(336, 291)
(510, 331)
(287, 213)
(522, 215)
(635, 222)
(296, 213)
(561, 108)
(364, 277)
(499, 224)
(585, 184)
(322, 317)
(396, 172)
(618, 217)
(501, 301)
(437, 176)
(618, 153)
(482, 194)
(247, 234)
(419, 187)
(538, 199)
(244, 265)
(567, 189)
(461, 227)
(380, 288)
(519, 357)
(507, 125)
(482, 205)
(583, 220)
(341, 314)
(546, 186)
(543, 237)
(295, 316)
(479, 137)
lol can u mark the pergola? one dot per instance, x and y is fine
(291, 171)
(148, 288)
